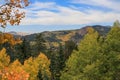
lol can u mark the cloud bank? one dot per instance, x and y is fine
(76, 12)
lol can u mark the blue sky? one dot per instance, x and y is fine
(50, 15)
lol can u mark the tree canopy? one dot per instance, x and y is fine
(97, 57)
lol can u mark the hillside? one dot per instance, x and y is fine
(54, 37)
(18, 34)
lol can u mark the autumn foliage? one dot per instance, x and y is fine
(28, 71)
(37, 65)
(10, 12)
(11, 71)
(6, 37)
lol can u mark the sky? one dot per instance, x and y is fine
(51, 15)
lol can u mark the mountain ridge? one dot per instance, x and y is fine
(20, 34)
(54, 37)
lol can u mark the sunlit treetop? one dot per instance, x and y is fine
(10, 12)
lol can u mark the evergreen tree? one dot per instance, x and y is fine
(82, 64)
(25, 50)
(61, 57)
(39, 46)
(40, 43)
(57, 63)
(21, 51)
(69, 47)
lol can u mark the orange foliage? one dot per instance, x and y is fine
(10, 12)
(9, 74)
(11, 71)
(6, 37)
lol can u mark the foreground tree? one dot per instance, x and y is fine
(81, 63)
(38, 68)
(10, 12)
(11, 71)
(111, 58)
(4, 59)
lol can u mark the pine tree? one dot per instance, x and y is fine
(24, 51)
(69, 47)
(57, 63)
(40, 43)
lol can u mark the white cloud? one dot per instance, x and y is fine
(111, 4)
(41, 14)
(41, 5)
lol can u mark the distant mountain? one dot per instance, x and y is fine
(19, 33)
(53, 37)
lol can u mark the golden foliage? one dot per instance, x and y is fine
(13, 71)
(44, 64)
(90, 30)
(6, 37)
(10, 12)
(34, 65)
(4, 59)
(66, 37)
(31, 68)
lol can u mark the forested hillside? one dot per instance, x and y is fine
(89, 53)
(52, 38)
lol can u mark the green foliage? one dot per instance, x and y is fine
(22, 51)
(96, 58)
(112, 52)
(69, 47)
(81, 63)
(57, 63)
(40, 46)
